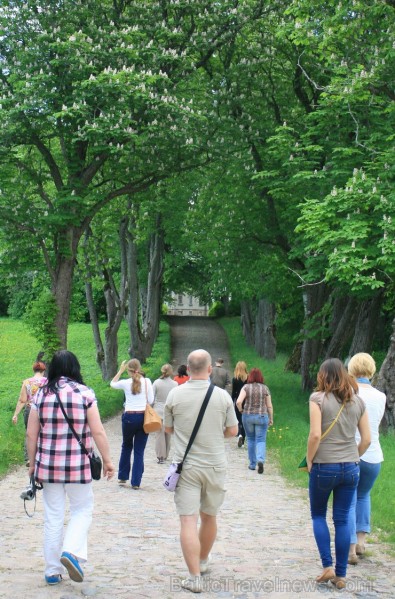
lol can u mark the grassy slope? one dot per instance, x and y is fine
(18, 351)
(287, 439)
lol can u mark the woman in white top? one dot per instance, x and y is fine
(138, 391)
(362, 367)
(162, 387)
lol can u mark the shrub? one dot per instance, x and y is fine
(40, 317)
(217, 310)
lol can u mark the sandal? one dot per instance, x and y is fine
(339, 582)
(327, 574)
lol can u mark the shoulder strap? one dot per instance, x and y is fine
(330, 427)
(71, 426)
(199, 419)
(146, 390)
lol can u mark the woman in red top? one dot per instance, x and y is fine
(182, 376)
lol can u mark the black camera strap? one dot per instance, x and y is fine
(35, 486)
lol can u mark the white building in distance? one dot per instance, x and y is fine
(185, 305)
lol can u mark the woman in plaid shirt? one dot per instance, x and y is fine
(58, 462)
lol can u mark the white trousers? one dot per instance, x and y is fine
(75, 539)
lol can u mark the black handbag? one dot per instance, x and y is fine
(94, 459)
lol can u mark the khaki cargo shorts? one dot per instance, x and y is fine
(200, 489)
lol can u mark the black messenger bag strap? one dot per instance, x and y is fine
(198, 421)
(71, 426)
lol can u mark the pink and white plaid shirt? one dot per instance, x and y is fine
(59, 458)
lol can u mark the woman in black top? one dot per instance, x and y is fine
(239, 380)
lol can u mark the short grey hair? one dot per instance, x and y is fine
(198, 361)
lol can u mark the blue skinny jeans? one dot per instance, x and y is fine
(341, 479)
(134, 439)
(359, 518)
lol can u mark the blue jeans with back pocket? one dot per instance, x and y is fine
(340, 479)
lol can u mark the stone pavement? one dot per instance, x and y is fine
(265, 546)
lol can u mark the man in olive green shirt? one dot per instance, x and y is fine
(201, 487)
(219, 376)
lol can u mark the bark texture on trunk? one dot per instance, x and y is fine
(62, 278)
(265, 340)
(365, 328)
(248, 321)
(344, 317)
(95, 326)
(386, 382)
(314, 301)
(294, 360)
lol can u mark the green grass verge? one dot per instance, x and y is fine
(18, 350)
(288, 437)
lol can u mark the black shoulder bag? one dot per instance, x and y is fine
(175, 469)
(95, 460)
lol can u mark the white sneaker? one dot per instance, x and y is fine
(204, 565)
(192, 584)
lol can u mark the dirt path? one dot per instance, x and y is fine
(265, 546)
(189, 333)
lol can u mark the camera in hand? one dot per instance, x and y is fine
(29, 493)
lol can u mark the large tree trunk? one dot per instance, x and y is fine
(135, 351)
(150, 324)
(225, 302)
(107, 354)
(386, 382)
(62, 279)
(344, 317)
(115, 306)
(294, 360)
(368, 316)
(247, 321)
(95, 326)
(144, 314)
(315, 297)
(265, 341)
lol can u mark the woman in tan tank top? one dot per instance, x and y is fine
(333, 462)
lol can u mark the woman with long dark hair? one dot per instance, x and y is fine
(58, 462)
(255, 403)
(138, 391)
(336, 412)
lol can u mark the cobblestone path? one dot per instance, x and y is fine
(265, 545)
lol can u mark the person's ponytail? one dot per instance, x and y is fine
(134, 371)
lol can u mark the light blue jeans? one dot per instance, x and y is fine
(255, 426)
(359, 518)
